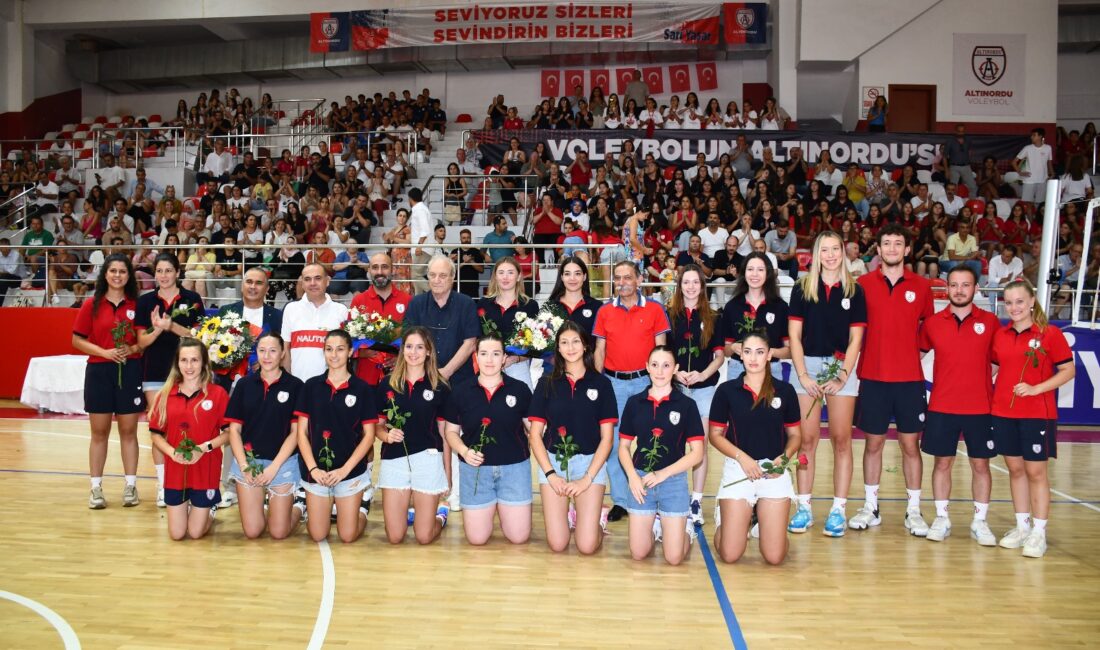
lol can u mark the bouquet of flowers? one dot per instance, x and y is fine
(372, 330)
(534, 336)
(784, 464)
(228, 338)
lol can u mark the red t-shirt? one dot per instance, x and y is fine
(371, 365)
(97, 327)
(1010, 352)
(513, 123)
(547, 226)
(204, 417)
(890, 348)
(580, 177)
(634, 332)
(962, 377)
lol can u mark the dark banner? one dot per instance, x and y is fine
(680, 148)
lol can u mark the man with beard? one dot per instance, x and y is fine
(962, 392)
(471, 262)
(388, 301)
(890, 374)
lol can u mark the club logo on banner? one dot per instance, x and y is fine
(988, 74)
(328, 32)
(746, 22)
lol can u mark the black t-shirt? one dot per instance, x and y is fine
(218, 238)
(264, 411)
(207, 201)
(468, 280)
(761, 431)
(505, 407)
(423, 407)
(157, 358)
(226, 261)
(723, 260)
(341, 411)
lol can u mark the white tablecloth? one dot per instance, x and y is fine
(55, 383)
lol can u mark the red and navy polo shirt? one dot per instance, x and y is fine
(371, 363)
(505, 406)
(891, 351)
(157, 358)
(1010, 352)
(692, 352)
(760, 431)
(739, 318)
(584, 312)
(423, 406)
(202, 416)
(673, 420)
(580, 407)
(339, 410)
(630, 333)
(96, 328)
(962, 377)
(505, 318)
(826, 323)
(264, 411)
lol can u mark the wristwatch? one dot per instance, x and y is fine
(208, 447)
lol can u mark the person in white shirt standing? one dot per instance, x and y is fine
(420, 229)
(217, 166)
(1035, 164)
(307, 321)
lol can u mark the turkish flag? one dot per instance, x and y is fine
(707, 74)
(600, 78)
(573, 78)
(551, 83)
(654, 78)
(679, 78)
(623, 76)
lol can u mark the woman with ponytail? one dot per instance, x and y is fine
(1034, 360)
(754, 419)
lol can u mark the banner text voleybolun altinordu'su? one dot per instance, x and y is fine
(680, 148)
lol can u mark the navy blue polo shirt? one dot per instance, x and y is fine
(673, 420)
(264, 411)
(772, 317)
(505, 406)
(685, 258)
(826, 323)
(578, 406)
(760, 432)
(424, 407)
(584, 313)
(692, 352)
(450, 325)
(157, 358)
(505, 319)
(342, 411)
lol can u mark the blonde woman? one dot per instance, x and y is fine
(503, 301)
(199, 268)
(828, 315)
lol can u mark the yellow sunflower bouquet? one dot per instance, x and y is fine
(228, 338)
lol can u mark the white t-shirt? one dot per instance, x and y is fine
(745, 246)
(647, 115)
(218, 165)
(304, 329)
(952, 206)
(713, 242)
(1035, 161)
(111, 176)
(254, 316)
(49, 188)
(1073, 190)
(420, 223)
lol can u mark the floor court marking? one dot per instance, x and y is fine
(1069, 497)
(732, 625)
(328, 596)
(64, 630)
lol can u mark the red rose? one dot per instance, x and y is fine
(486, 422)
(389, 395)
(839, 356)
(481, 312)
(657, 433)
(802, 460)
(688, 336)
(248, 446)
(561, 432)
(326, 435)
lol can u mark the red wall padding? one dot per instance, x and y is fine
(31, 332)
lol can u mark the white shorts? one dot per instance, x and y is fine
(779, 487)
(426, 476)
(1033, 192)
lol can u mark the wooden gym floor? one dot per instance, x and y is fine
(112, 578)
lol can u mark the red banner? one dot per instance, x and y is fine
(551, 83)
(654, 78)
(707, 76)
(601, 78)
(573, 78)
(679, 79)
(623, 76)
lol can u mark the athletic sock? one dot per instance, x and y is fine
(871, 492)
(697, 496)
(1040, 524)
(941, 507)
(804, 500)
(980, 511)
(97, 481)
(131, 480)
(914, 499)
(839, 503)
(160, 474)
(1023, 520)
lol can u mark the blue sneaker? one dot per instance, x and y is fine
(803, 518)
(411, 516)
(441, 514)
(836, 524)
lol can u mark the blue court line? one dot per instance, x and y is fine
(732, 625)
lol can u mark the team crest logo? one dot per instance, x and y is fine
(400, 308)
(910, 296)
(776, 402)
(921, 417)
(1036, 448)
(674, 417)
(846, 304)
(428, 395)
(210, 494)
(987, 62)
(1042, 433)
(130, 314)
(989, 444)
(587, 313)
(770, 318)
(745, 18)
(979, 328)
(329, 27)
(207, 404)
(283, 396)
(350, 401)
(592, 394)
(137, 401)
(510, 401)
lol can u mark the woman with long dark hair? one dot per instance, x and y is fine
(755, 305)
(571, 291)
(103, 330)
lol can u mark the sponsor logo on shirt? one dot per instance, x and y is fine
(776, 402)
(308, 339)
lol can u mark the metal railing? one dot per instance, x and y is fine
(115, 140)
(528, 189)
(18, 204)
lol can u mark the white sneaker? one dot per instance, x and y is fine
(754, 532)
(96, 501)
(604, 512)
(1014, 538)
(658, 532)
(160, 496)
(864, 519)
(979, 530)
(940, 529)
(915, 523)
(692, 535)
(1036, 543)
(717, 514)
(453, 504)
(229, 496)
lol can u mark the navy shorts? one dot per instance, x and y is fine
(941, 435)
(102, 393)
(1034, 439)
(198, 498)
(882, 401)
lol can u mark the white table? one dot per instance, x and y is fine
(55, 383)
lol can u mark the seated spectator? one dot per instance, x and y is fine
(961, 248)
(217, 166)
(199, 268)
(759, 246)
(11, 268)
(694, 255)
(855, 263)
(500, 235)
(782, 243)
(725, 268)
(952, 203)
(350, 271)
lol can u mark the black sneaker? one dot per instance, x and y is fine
(617, 513)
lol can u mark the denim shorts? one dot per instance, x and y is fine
(288, 472)
(813, 366)
(148, 386)
(578, 465)
(345, 488)
(508, 485)
(779, 487)
(670, 498)
(702, 396)
(520, 370)
(427, 475)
